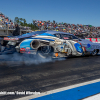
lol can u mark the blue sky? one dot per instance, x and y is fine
(69, 11)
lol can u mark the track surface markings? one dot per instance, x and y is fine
(94, 97)
(75, 92)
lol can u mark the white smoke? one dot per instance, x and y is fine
(26, 59)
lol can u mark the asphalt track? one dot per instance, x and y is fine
(21, 76)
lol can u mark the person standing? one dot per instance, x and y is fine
(16, 32)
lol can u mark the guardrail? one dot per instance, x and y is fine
(5, 30)
(13, 27)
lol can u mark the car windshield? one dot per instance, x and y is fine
(37, 32)
(31, 34)
(67, 36)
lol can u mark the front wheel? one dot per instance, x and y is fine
(45, 52)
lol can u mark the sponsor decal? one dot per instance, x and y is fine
(98, 39)
(88, 46)
(87, 39)
(65, 38)
(16, 38)
(28, 50)
(58, 42)
(6, 38)
(61, 47)
(78, 47)
(52, 43)
(27, 47)
(22, 50)
(93, 39)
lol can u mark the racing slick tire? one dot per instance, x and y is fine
(8, 49)
(95, 52)
(4, 43)
(45, 52)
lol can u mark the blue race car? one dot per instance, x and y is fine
(49, 44)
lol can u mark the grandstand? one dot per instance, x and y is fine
(7, 26)
(69, 28)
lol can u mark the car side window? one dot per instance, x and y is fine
(58, 35)
(65, 36)
(68, 37)
(74, 37)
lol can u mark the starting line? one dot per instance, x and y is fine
(83, 91)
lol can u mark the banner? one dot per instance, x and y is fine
(95, 40)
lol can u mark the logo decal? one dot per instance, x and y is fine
(22, 50)
(88, 46)
(78, 47)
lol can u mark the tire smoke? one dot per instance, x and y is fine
(26, 59)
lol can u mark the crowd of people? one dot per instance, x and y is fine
(6, 22)
(79, 29)
(76, 29)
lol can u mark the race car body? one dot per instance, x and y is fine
(18, 39)
(90, 47)
(51, 44)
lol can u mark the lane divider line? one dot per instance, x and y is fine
(58, 90)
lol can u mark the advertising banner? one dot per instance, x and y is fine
(95, 40)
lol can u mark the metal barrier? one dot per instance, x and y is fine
(5, 30)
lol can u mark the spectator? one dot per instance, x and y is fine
(90, 36)
(16, 32)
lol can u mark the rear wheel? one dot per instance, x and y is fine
(4, 43)
(95, 52)
(8, 49)
(45, 52)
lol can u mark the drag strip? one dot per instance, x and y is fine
(19, 76)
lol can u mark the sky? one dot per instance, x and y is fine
(86, 12)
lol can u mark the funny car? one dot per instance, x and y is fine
(49, 44)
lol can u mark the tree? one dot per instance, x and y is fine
(16, 20)
(23, 22)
